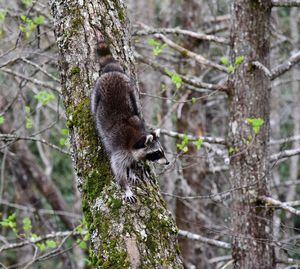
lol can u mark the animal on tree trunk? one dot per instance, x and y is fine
(119, 123)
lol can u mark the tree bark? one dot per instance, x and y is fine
(249, 162)
(123, 235)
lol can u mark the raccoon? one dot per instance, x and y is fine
(119, 123)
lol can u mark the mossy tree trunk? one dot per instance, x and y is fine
(249, 102)
(123, 235)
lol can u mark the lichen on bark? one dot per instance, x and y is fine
(123, 235)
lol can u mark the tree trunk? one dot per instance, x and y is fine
(249, 162)
(123, 235)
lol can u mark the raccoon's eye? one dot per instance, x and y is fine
(154, 156)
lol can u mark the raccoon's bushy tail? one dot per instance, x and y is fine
(107, 61)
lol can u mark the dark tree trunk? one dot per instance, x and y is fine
(122, 235)
(249, 162)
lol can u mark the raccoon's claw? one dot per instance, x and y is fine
(129, 197)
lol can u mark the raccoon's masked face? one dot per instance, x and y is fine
(151, 149)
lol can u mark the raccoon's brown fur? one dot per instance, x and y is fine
(119, 123)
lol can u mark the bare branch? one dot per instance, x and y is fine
(284, 154)
(39, 239)
(9, 137)
(197, 57)
(286, 3)
(285, 140)
(272, 202)
(287, 65)
(280, 69)
(32, 80)
(191, 81)
(199, 36)
(208, 139)
(205, 240)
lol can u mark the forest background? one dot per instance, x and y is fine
(183, 53)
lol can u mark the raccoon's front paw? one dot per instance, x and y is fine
(133, 178)
(129, 197)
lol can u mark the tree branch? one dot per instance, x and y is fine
(286, 3)
(32, 80)
(190, 81)
(281, 68)
(284, 154)
(272, 202)
(10, 137)
(200, 36)
(197, 57)
(212, 140)
(205, 240)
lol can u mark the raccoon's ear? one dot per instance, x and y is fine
(156, 133)
(143, 141)
(149, 139)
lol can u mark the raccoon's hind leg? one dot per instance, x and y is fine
(119, 166)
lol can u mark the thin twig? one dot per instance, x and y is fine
(187, 53)
(9, 137)
(206, 240)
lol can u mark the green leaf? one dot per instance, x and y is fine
(177, 80)
(225, 61)
(28, 123)
(41, 246)
(51, 244)
(2, 120)
(22, 28)
(27, 224)
(62, 141)
(239, 60)
(184, 144)
(198, 143)
(256, 123)
(2, 15)
(194, 100)
(44, 97)
(231, 69)
(27, 3)
(23, 18)
(81, 244)
(64, 131)
(153, 42)
(38, 20)
(9, 222)
(27, 109)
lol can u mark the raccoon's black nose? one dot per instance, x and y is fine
(167, 162)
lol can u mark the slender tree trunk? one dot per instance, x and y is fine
(122, 235)
(249, 163)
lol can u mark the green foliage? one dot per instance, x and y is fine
(44, 97)
(239, 60)
(51, 244)
(232, 66)
(198, 143)
(27, 224)
(183, 146)
(2, 15)
(2, 120)
(41, 246)
(256, 124)
(176, 78)
(158, 47)
(28, 123)
(225, 61)
(9, 222)
(27, 3)
(28, 25)
(64, 141)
